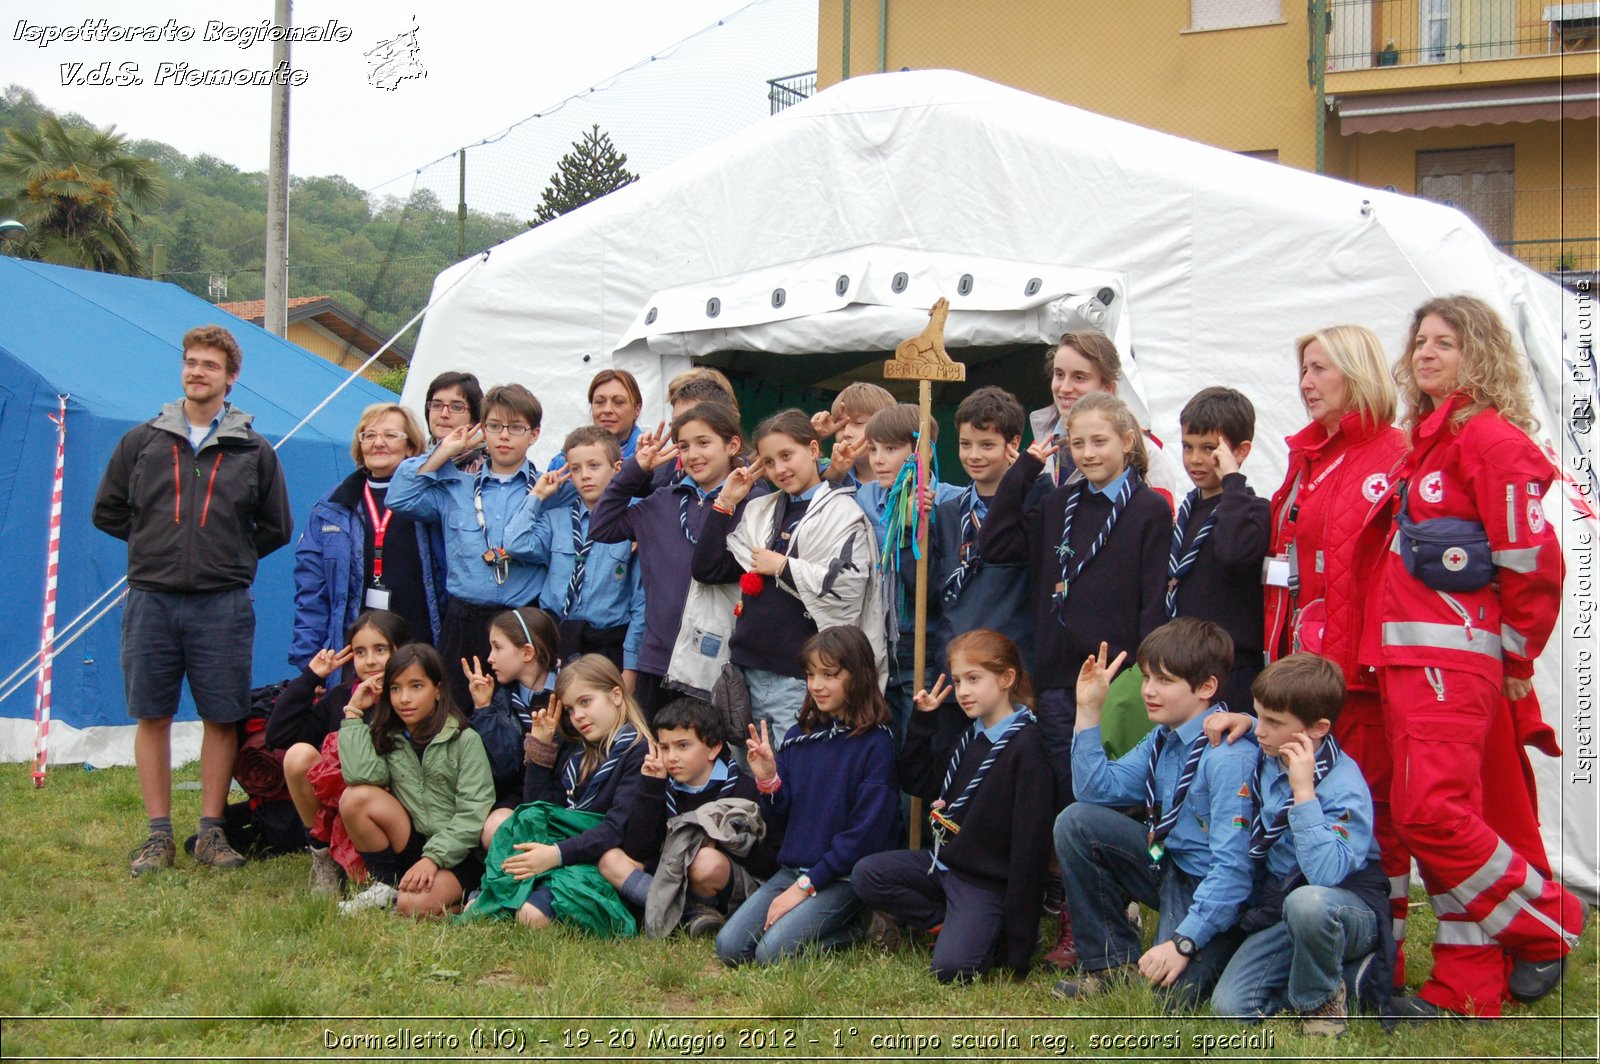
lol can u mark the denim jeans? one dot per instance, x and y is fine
(1299, 961)
(825, 921)
(776, 699)
(1104, 865)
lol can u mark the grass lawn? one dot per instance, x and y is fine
(203, 964)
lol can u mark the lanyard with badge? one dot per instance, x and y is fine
(376, 596)
(493, 556)
(1283, 570)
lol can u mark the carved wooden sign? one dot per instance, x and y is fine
(923, 357)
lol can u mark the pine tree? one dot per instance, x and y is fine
(593, 168)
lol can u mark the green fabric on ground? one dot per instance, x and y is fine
(1123, 720)
(581, 895)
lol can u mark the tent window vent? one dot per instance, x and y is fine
(1105, 295)
(842, 285)
(964, 286)
(777, 298)
(1032, 287)
(899, 283)
(650, 318)
(713, 307)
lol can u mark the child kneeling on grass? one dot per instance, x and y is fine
(1190, 858)
(1325, 900)
(695, 868)
(987, 773)
(582, 774)
(418, 786)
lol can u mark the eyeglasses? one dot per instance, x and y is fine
(386, 437)
(204, 365)
(439, 406)
(495, 428)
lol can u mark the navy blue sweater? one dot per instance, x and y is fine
(1121, 595)
(839, 802)
(615, 800)
(299, 716)
(1224, 586)
(994, 596)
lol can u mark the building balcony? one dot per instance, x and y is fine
(1394, 45)
(791, 89)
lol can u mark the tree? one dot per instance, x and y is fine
(591, 169)
(79, 193)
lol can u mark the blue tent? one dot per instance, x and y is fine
(111, 344)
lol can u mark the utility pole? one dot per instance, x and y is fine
(276, 320)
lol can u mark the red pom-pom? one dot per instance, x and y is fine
(752, 583)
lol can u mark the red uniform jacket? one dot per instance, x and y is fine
(1490, 471)
(1332, 484)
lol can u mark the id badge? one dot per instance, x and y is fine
(1275, 571)
(376, 598)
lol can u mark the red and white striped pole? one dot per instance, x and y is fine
(47, 635)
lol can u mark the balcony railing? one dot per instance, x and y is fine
(787, 91)
(1375, 33)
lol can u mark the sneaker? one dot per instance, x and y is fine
(327, 878)
(376, 896)
(1092, 984)
(158, 851)
(1064, 955)
(1532, 980)
(885, 932)
(1330, 1019)
(703, 923)
(1135, 913)
(1420, 1010)
(1055, 895)
(211, 848)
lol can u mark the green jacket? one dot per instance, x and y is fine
(448, 791)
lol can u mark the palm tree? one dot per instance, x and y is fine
(79, 193)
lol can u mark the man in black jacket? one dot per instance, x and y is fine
(199, 497)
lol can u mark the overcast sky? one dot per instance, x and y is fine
(472, 75)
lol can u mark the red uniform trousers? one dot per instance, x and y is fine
(1450, 737)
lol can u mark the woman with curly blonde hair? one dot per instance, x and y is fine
(1469, 595)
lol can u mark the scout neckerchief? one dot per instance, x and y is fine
(1158, 829)
(971, 524)
(942, 814)
(683, 508)
(834, 728)
(1262, 834)
(580, 550)
(1071, 565)
(1179, 561)
(620, 744)
(729, 782)
(380, 529)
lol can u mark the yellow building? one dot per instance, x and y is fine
(1488, 104)
(327, 329)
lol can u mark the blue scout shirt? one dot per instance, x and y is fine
(449, 497)
(1328, 837)
(541, 534)
(1211, 839)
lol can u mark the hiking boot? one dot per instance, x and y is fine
(211, 848)
(158, 851)
(377, 896)
(1065, 954)
(703, 922)
(327, 878)
(1330, 1019)
(1092, 984)
(885, 932)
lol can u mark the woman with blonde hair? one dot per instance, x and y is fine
(354, 554)
(1468, 596)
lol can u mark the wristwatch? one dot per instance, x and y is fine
(804, 883)
(1186, 946)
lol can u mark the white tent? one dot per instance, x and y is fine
(825, 232)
